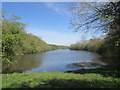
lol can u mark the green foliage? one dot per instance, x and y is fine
(53, 47)
(94, 44)
(12, 37)
(90, 45)
(111, 47)
(58, 80)
(112, 40)
(79, 45)
(33, 44)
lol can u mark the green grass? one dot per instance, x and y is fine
(58, 80)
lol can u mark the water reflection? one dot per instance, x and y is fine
(55, 60)
(25, 62)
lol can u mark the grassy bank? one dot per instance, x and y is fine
(59, 80)
(106, 71)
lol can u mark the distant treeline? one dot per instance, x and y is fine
(90, 45)
(15, 41)
(108, 46)
(53, 47)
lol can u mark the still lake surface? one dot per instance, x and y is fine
(56, 60)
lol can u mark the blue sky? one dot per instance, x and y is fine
(48, 20)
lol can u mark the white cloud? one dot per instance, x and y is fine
(57, 7)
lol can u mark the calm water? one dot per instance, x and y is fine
(56, 60)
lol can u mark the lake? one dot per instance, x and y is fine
(56, 60)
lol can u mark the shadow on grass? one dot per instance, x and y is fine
(106, 71)
(70, 83)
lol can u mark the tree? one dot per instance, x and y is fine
(101, 16)
(92, 15)
(12, 37)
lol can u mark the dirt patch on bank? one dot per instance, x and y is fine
(83, 64)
